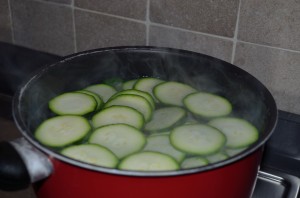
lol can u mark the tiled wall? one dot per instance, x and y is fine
(262, 37)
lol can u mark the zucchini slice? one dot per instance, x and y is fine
(115, 82)
(99, 101)
(129, 84)
(161, 143)
(193, 162)
(231, 152)
(60, 131)
(172, 93)
(121, 139)
(73, 103)
(146, 95)
(165, 118)
(118, 115)
(216, 157)
(187, 128)
(197, 139)
(92, 154)
(134, 101)
(148, 161)
(147, 84)
(207, 105)
(239, 132)
(103, 90)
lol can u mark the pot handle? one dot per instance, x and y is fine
(21, 164)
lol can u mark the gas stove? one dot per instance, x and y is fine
(279, 175)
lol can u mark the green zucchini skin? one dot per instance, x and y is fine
(104, 91)
(146, 95)
(129, 84)
(161, 143)
(92, 154)
(134, 101)
(193, 162)
(147, 84)
(165, 118)
(148, 161)
(61, 131)
(220, 156)
(68, 104)
(207, 105)
(239, 132)
(97, 98)
(197, 139)
(118, 115)
(172, 93)
(121, 139)
(147, 119)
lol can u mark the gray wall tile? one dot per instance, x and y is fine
(96, 30)
(61, 1)
(271, 22)
(214, 17)
(43, 26)
(167, 37)
(5, 23)
(278, 69)
(128, 8)
(46, 26)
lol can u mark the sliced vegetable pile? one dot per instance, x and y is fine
(148, 125)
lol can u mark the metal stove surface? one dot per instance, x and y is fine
(280, 169)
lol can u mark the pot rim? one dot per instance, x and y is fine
(52, 154)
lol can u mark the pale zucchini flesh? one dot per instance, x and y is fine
(72, 103)
(147, 84)
(172, 93)
(197, 139)
(234, 151)
(146, 95)
(193, 162)
(207, 105)
(121, 139)
(92, 154)
(118, 115)
(97, 98)
(187, 128)
(239, 132)
(134, 101)
(103, 90)
(161, 143)
(216, 157)
(129, 84)
(60, 131)
(165, 118)
(148, 161)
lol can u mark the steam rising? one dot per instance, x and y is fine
(201, 72)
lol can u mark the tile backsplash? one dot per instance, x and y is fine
(261, 37)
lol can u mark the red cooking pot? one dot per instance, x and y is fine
(26, 161)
